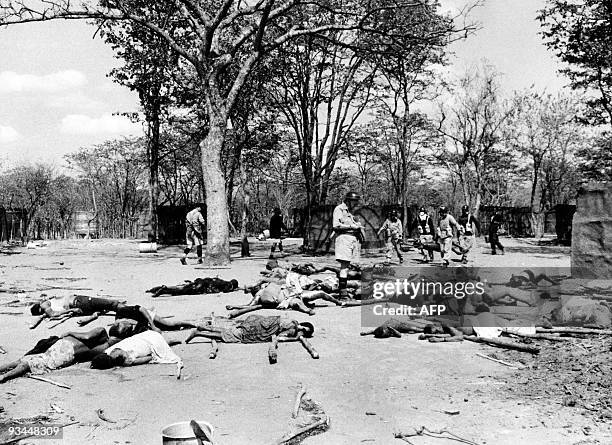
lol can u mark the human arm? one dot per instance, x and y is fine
(99, 333)
(383, 227)
(476, 224)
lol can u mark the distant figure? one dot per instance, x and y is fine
(276, 231)
(427, 231)
(348, 239)
(468, 227)
(446, 222)
(194, 236)
(496, 221)
(393, 235)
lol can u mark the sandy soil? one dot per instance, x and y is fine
(401, 383)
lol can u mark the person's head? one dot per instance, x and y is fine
(351, 199)
(198, 207)
(422, 211)
(277, 210)
(433, 329)
(307, 329)
(271, 264)
(36, 309)
(443, 211)
(107, 361)
(465, 210)
(234, 284)
(122, 328)
(393, 215)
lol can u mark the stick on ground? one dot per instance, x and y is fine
(298, 402)
(502, 362)
(504, 344)
(42, 379)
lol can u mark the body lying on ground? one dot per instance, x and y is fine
(198, 286)
(254, 329)
(146, 347)
(58, 352)
(132, 320)
(308, 269)
(73, 305)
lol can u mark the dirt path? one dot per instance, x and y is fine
(370, 388)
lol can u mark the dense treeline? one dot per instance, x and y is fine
(265, 107)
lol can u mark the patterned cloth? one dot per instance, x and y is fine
(59, 355)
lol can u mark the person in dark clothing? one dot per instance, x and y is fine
(198, 286)
(254, 329)
(132, 320)
(468, 227)
(493, 236)
(276, 230)
(427, 233)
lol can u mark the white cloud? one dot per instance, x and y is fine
(8, 134)
(11, 82)
(75, 102)
(105, 124)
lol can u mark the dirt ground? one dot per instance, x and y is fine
(370, 388)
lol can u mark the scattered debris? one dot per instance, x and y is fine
(502, 362)
(424, 431)
(298, 402)
(102, 416)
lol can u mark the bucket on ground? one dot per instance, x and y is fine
(180, 433)
(147, 247)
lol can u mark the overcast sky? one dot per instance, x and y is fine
(55, 96)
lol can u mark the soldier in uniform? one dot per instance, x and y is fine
(349, 236)
(195, 228)
(446, 222)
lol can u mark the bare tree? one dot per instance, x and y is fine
(222, 41)
(473, 126)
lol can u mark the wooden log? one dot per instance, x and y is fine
(298, 402)
(563, 330)
(246, 310)
(504, 344)
(540, 336)
(311, 350)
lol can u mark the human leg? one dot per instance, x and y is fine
(205, 334)
(172, 325)
(9, 366)
(309, 296)
(396, 246)
(21, 369)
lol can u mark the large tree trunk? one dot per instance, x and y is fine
(153, 149)
(217, 248)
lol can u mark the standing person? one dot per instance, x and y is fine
(393, 228)
(446, 222)
(496, 221)
(349, 236)
(276, 231)
(195, 229)
(426, 230)
(468, 225)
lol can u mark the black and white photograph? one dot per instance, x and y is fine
(255, 222)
